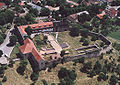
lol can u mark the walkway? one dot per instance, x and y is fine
(53, 43)
(6, 50)
(72, 2)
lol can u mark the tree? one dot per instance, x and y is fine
(20, 21)
(11, 63)
(85, 43)
(4, 79)
(22, 66)
(34, 76)
(1, 53)
(62, 53)
(118, 69)
(1, 39)
(30, 17)
(44, 82)
(82, 39)
(118, 59)
(66, 76)
(102, 44)
(45, 38)
(75, 30)
(92, 73)
(113, 80)
(102, 76)
(28, 30)
(0, 83)
(45, 12)
(104, 70)
(86, 66)
(7, 2)
(34, 11)
(83, 17)
(13, 39)
(94, 38)
(97, 67)
(53, 84)
(81, 60)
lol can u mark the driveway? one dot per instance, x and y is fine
(6, 50)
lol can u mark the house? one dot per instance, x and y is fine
(35, 1)
(111, 12)
(55, 26)
(2, 5)
(72, 2)
(39, 27)
(29, 51)
(34, 6)
(100, 16)
(52, 8)
(74, 17)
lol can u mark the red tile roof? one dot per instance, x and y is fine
(112, 12)
(35, 1)
(21, 3)
(35, 26)
(101, 15)
(2, 4)
(29, 47)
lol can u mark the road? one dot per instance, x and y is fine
(6, 50)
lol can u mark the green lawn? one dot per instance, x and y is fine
(115, 35)
(15, 51)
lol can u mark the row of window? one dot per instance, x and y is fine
(44, 26)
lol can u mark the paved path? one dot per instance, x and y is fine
(54, 44)
(6, 50)
(72, 2)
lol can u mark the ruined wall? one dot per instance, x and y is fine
(93, 53)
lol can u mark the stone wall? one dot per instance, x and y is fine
(93, 53)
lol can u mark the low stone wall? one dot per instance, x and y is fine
(93, 53)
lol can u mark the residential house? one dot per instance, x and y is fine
(2, 5)
(112, 12)
(34, 6)
(55, 26)
(52, 8)
(29, 51)
(100, 16)
(74, 17)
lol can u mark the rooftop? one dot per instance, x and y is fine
(35, 26)
(29, 47)
(2, 4)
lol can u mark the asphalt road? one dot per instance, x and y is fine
(6, 50)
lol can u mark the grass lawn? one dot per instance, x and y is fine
(38, 41)
(115, 35)
(13, 78)
(73, 42)
(15, 51)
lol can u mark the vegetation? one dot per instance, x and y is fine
(22, 66)
(66, 77)
(28, 30)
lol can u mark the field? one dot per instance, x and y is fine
(115, 35)
(15, 51)
(74, 42)
(13, 78)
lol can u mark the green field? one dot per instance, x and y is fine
(115, 35)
